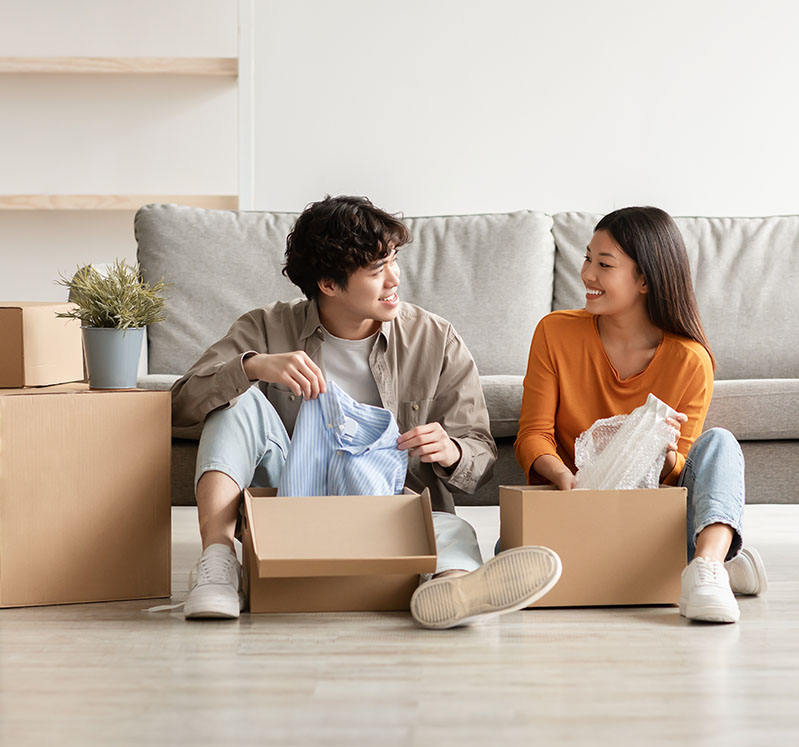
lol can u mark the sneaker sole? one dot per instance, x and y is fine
(508, 582)
(761, 579)
(709, 613)
(209, 602)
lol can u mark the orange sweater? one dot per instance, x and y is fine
(571, 383)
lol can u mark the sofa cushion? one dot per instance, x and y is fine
(752, 409)
(503, 398)
(222, 263)
(756, 409)
(490, 275)
(156, 382)
(745, 274)
(504, 401)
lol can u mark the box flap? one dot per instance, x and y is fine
(340, 535)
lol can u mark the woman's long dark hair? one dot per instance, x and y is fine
(650, 237)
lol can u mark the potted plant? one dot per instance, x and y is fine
(114, 308)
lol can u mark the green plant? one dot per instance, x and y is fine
(119, 298)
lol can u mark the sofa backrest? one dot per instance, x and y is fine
(746, 276)
(221, 264)
(490, 275)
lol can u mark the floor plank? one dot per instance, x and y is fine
(111, 674)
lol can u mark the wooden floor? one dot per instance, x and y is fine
(109, 674)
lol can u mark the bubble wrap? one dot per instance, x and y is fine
(625, 452)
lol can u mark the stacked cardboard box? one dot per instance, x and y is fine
(85, 510)
(36, 347)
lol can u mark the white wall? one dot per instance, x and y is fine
(427, 106)
(107, 134)
(447, 106)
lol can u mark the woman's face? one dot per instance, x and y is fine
(613, 283)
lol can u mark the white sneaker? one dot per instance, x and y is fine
(509, 581)
(747, 572)
(216, 588)
(706, 593)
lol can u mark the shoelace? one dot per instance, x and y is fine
(211, 569)
(708, 572)
(165, 607)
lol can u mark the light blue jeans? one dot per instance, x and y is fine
(248, 442)
(714, 476)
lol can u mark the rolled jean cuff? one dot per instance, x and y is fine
(224, 469)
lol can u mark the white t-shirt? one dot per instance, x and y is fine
(347, 363)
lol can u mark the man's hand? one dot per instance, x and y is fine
(295, 370)
(431, 444)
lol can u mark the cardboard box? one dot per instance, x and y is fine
(335, 553)
(85, 510)
(618, 547)
(36, 347)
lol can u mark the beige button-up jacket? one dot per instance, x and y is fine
(423, 371)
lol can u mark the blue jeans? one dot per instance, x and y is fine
(714, 476)
(248, 442)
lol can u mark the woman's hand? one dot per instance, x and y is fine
(565, 481)
(671, 450)
(676, 422)
(552, 469)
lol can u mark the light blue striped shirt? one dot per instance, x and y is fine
(343, 447)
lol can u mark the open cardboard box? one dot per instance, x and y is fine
(85, 511)
(618, 547)
(335, 553)
(36, 347)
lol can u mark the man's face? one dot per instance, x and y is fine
(370, 297)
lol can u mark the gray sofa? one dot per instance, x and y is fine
(494, 276)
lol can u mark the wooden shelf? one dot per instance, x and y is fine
(112, 202)
(200, 66)
(227, 66)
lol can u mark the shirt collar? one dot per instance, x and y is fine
(385, 331)
(313, 324)
(337, 406)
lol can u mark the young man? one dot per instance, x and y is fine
(247, 388)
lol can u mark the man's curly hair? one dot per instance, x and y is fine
(336, 236)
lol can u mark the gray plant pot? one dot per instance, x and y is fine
(112, 356)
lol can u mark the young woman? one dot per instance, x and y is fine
(640, 332)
